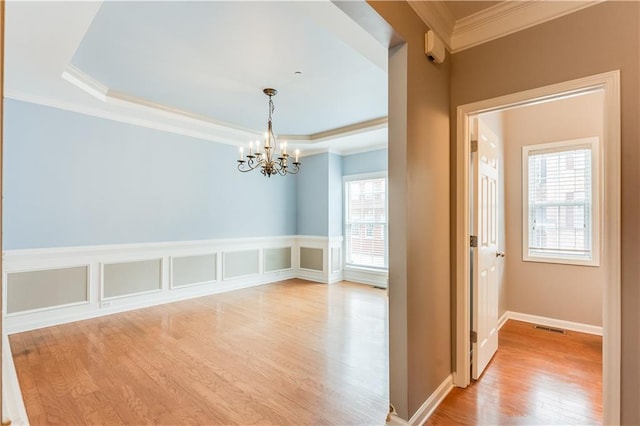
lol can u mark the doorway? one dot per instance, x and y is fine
(608, 83)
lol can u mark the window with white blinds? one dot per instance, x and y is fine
(366, 229)
(561, 202)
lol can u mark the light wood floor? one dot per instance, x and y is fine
(288, 353)
(536, 378)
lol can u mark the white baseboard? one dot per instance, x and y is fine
(364, 276)
(427, 408)
(553, 322)
(12, 403)
(503, 319)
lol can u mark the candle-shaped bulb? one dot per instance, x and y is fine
(251, 148)
(284, 151)
(267, 143)
(297, 155)
(241, 152)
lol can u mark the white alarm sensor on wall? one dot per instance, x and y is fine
(434, 47)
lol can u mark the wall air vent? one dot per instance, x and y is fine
(551, 329)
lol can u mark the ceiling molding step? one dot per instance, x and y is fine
(85, 82)
(507, 18)
(353, 129)
(180, 127)
(438, 18)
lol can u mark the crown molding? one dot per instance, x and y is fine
(502, 19)
(118, 106)
(438, 18)
(509, 17)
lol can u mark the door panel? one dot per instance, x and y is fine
(485, 225)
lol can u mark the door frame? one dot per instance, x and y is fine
(609, 82)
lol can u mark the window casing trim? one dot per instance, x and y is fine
(365, 176)
(596, 205)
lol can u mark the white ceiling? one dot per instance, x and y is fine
(199, 68)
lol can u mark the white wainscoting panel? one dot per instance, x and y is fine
(93, 257)
(211, 257)
(366, 276)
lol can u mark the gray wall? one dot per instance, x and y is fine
(597, 39)
(419, 260)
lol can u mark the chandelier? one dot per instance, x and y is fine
(264, 159)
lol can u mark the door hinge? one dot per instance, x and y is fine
(474, 337)
(474, 241)
(474, 145)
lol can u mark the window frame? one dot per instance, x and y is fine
(345, 181)
(592, 143)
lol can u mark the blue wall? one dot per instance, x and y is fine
(313, 202)
(72, 180)
(335, 195)
(366, 162)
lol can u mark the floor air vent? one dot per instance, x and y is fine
(551, 329)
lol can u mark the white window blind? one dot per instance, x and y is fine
(560, 202)
(366, 222)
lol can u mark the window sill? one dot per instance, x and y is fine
(378, 271)
(562, 261)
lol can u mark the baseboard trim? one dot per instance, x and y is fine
(12, 403)
(503, 319)
(427, 408)
(363, 276)
(553, 322)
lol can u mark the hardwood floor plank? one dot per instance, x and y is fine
(294, 352)
(536, 378)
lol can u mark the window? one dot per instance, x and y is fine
(366, 221)
(561, 202)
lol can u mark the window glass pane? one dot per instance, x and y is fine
(560, 204)
(366, 223)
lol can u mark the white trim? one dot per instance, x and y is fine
(224, 267)
(95, 256)
(593, 144)
(503, 320)
(429, 406)
(378, 278)
(438, 18)
(140, 293)
(506, 18)
(5, 287)
(553, 322)
(85, 83)
(175, 287)
(12, 403)
(609, 82)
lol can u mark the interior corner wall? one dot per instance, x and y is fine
(75, 180)
(365, 162)
(420, 275)
(312, 208)
(335, 195)
(594, 40)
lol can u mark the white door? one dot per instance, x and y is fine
(484, 278)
